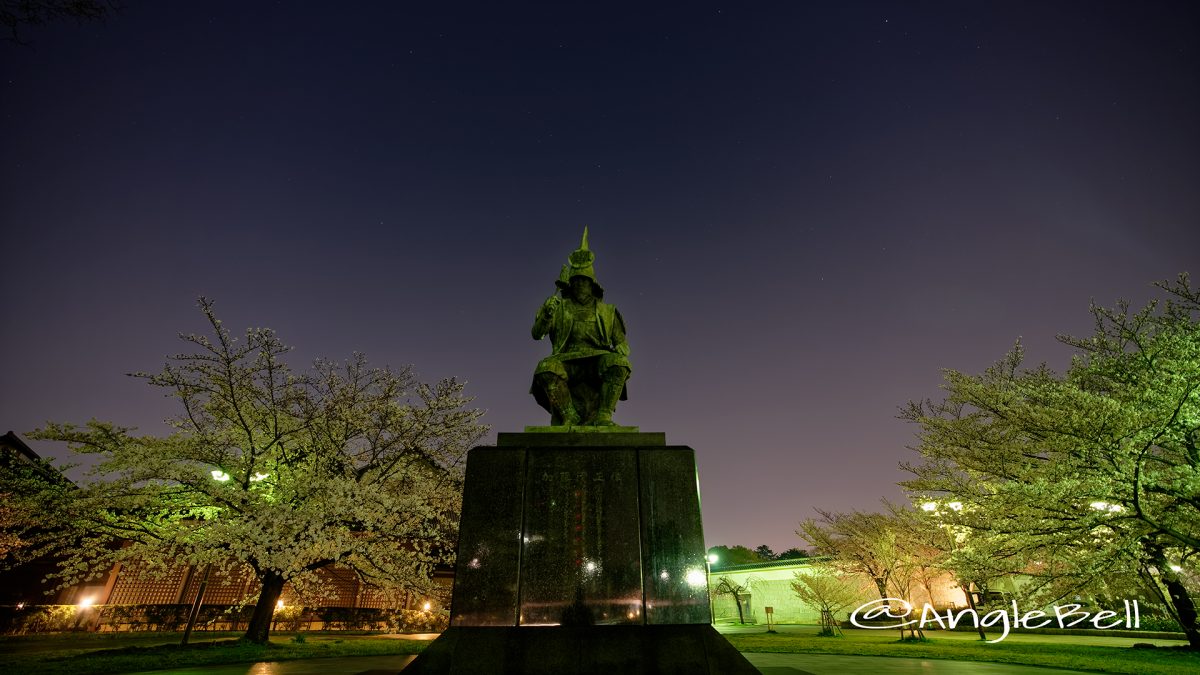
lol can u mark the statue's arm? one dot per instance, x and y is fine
(544, 320)
(619, 333)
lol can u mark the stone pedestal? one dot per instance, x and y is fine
(581, 553)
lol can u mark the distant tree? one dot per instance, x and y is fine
(11, 524)
(870, 544)
(733, 555)
(764, 553)
(17, 13)
(931, 549)
(830, 591)
(792, 554)
(915, 566)
(1085, 477)
(727, 586)
(282, 472)
(28, 491)
(864, 543)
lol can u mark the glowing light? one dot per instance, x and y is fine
(664, 575)
(86, 602)
(257, 477)
(713, 558)
(20, 605)
(426, 606)
(590, 568)
(279, 605)
(696, 578)
(929, 506)
(220, 475)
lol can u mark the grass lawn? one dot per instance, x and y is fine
(105, 654)
(1100, 654)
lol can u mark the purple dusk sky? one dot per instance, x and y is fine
(803, 210)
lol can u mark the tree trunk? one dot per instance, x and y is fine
(966, 589)
(1185, 608)
(259, 629)
(1179, 602)
(881, 584)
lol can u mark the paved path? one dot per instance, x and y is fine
(833, 664)
(1095, 638)
(349, 665)
(769, 664)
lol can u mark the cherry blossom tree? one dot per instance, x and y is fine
(831, 591)
(281, 472)
(1082, 478)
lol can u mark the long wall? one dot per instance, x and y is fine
(770, 585)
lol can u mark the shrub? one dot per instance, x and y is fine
(165, 617)
(1159, 624)
(38, 619)
(289, 617)
(418, 621)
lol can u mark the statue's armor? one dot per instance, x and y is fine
(580, 332)
(584, 376)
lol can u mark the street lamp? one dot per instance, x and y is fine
(709, 562)
(81, 610)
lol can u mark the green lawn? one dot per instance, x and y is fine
(130, 653)
(1098, 654)
(105, 654)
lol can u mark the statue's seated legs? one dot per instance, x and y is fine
(556, 398)
(581, 391)
(612, 383)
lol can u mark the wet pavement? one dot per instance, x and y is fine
(833, 664)
(350, 665)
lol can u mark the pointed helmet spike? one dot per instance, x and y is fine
(580, 263)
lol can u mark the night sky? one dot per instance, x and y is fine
(803, 210)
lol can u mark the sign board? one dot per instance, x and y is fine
(770, 610)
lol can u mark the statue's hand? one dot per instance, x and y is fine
(551, 304)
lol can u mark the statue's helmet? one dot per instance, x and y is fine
(580, 264)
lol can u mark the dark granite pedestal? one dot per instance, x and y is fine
(581, 553)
